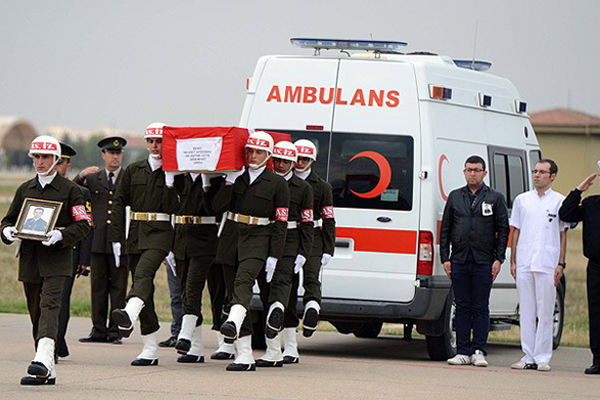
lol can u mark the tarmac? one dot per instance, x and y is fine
(333, 366)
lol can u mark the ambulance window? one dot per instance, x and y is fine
(321, 140)
(508, 173)
(500, 175)
(372, 171)
(516, 177)
(534, 157)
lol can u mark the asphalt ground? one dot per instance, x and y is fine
(333, 366)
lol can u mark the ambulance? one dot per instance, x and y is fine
(393, 130)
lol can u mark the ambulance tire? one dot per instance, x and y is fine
(368, 330)
(258, 330)
(559, 315)
(441, 348)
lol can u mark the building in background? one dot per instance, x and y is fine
(572, 139)
(16, 135)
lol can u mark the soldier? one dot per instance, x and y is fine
(255, 235)
(44, 266)
(194, 248)
(109, 280)
(322, 251)
(150, 239)
(82, 253)
(298, 246)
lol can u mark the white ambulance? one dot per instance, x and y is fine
(393, 131)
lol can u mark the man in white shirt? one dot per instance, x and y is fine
(537, 263)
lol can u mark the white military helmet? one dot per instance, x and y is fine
(45, 145)
(154, 130)
(286, 151)
(260, 140)
(306, 148)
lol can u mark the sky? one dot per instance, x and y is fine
(124, 64)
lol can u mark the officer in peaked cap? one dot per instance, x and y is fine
(82, 253)
(109, 281)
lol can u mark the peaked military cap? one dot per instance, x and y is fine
(66, 151)
(113, 143)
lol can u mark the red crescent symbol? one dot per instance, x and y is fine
(442, 159)
(384, 169)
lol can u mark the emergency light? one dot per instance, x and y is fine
(475, 65)
(346, 44)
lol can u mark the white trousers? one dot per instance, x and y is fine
(537, 295)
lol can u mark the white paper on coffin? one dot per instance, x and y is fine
(199, 154)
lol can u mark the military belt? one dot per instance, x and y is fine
(149, 216)
(292, 225)
(318, 223)
(247, 219)
(193, 219)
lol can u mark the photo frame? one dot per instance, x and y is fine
(36, 218)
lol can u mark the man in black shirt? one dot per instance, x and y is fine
(588, 211)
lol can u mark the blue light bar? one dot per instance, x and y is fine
(346, 44)
(475, 65)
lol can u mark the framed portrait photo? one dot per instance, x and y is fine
(37, 218)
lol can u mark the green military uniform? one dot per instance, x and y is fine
(82, 253)
(108, 281)
(195, 245)
(324, 243)
(44, 269)
(249, 246)
(299, 240)
(148, 242)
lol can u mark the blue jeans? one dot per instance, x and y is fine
(472, 284)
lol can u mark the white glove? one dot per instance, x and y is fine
(53, 237)
(116, 246)
(9, 232)
(170, 259)
(232, 176)
(299, 263)
(270, 268)
(170, 178)
(324, 261)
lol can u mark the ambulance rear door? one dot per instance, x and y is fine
(374, 162)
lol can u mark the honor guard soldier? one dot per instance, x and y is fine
(82, 253)
(194, 248)
(322, 251)
(142, 187)
(298, 247)
(109, 279)
(255, 231)
(45, 266)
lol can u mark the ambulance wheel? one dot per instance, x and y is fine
(441, 348)
(559, 315)
(258, 328)
(368, 330)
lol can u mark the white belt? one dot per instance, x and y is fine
(292, 224)
(193, 219)
(318, 223)
(247, 219)
(150, 216)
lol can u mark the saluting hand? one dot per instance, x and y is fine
(587, 182)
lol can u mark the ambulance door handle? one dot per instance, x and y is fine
(384, 219)
(345, 245)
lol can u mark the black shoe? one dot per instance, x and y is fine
(170, 342)
(593, 370)
(241, 367)
(531, 366)
(229, 331)
(183, 346)
(221, 355)
(291, 360)
(266, 363)
(38, 369)
(115, 340)
(144, 362)
(310, 323)
(35, 381)
(122, 320)
(92, 339)
(275, 323)
(190, 359)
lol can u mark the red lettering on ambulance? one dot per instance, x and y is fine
(394, 99)
(359, 97)
(338, 98)
(322, 99)
(292, 96)
(274, 94)
(376, 97)
(310, 95)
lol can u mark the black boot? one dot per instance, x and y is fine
(35, 381)
(190, 359)
(241, 367)
(183, 346)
